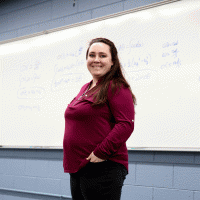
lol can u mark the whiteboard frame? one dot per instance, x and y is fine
(178, 149)
(169, 149)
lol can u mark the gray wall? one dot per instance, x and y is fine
(27, 174)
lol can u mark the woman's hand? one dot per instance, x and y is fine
(94, 159)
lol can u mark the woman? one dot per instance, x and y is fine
(98, 122)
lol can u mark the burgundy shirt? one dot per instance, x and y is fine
(103, 129)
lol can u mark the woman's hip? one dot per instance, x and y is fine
(102, 169)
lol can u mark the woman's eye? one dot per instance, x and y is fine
(101, 56)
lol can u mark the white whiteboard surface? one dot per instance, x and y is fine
(159, 49)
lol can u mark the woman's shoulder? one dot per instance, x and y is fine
(83, 89)
(85, 85)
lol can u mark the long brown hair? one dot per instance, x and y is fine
(115, 74)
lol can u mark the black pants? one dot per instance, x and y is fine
(98, 181)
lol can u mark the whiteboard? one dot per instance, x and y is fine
(159, 51)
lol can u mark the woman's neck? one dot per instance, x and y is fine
(94, 81)
(92, 84)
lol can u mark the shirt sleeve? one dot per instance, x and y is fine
(122, 108)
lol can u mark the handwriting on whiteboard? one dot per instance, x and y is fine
(31, 93)
(140, 74)
(168, 44)
(65, 65)
(173, 53)
(136, 61)
(170, 55)
(176, 63)
(131, 45)
(30, 74)
(61, 82)
(65, 55)
(31, 78)
(32, 67)
(29, 108)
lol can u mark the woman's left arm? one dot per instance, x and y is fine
(122, 108)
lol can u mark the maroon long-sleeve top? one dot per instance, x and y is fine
(103, 129)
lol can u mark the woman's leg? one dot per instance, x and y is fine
(103, 180)
(75, 186)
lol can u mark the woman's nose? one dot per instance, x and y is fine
(96, 59)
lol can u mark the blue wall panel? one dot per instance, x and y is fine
(105, 10)
(65, 188)
(50, 186)
(154, 175)
(4, 25)
(187, 177)
(6, 181)
(8, 35)
(141, 157)
(30, 30)
(130, 192)
(174, 157)
(196, 195)
(29, 16)
(14, 166)
(72, 19)
(197, 159)
(62, 8)
(55, 169)
(131, 178)
(90, 4)
(9, 6)
(1, 197)
(37, 168)
(130, 4)
(171, 194)
(25, 183)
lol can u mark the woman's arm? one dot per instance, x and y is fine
(122, 108)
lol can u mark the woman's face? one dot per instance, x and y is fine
(99, 60)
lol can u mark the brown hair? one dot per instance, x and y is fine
(115, 74)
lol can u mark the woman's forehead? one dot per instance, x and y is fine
(99, 46)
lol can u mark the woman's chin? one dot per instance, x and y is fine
(97, 75)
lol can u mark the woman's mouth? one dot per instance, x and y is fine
(97, 66)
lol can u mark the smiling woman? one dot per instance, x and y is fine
(105, 68)
(98, 122)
